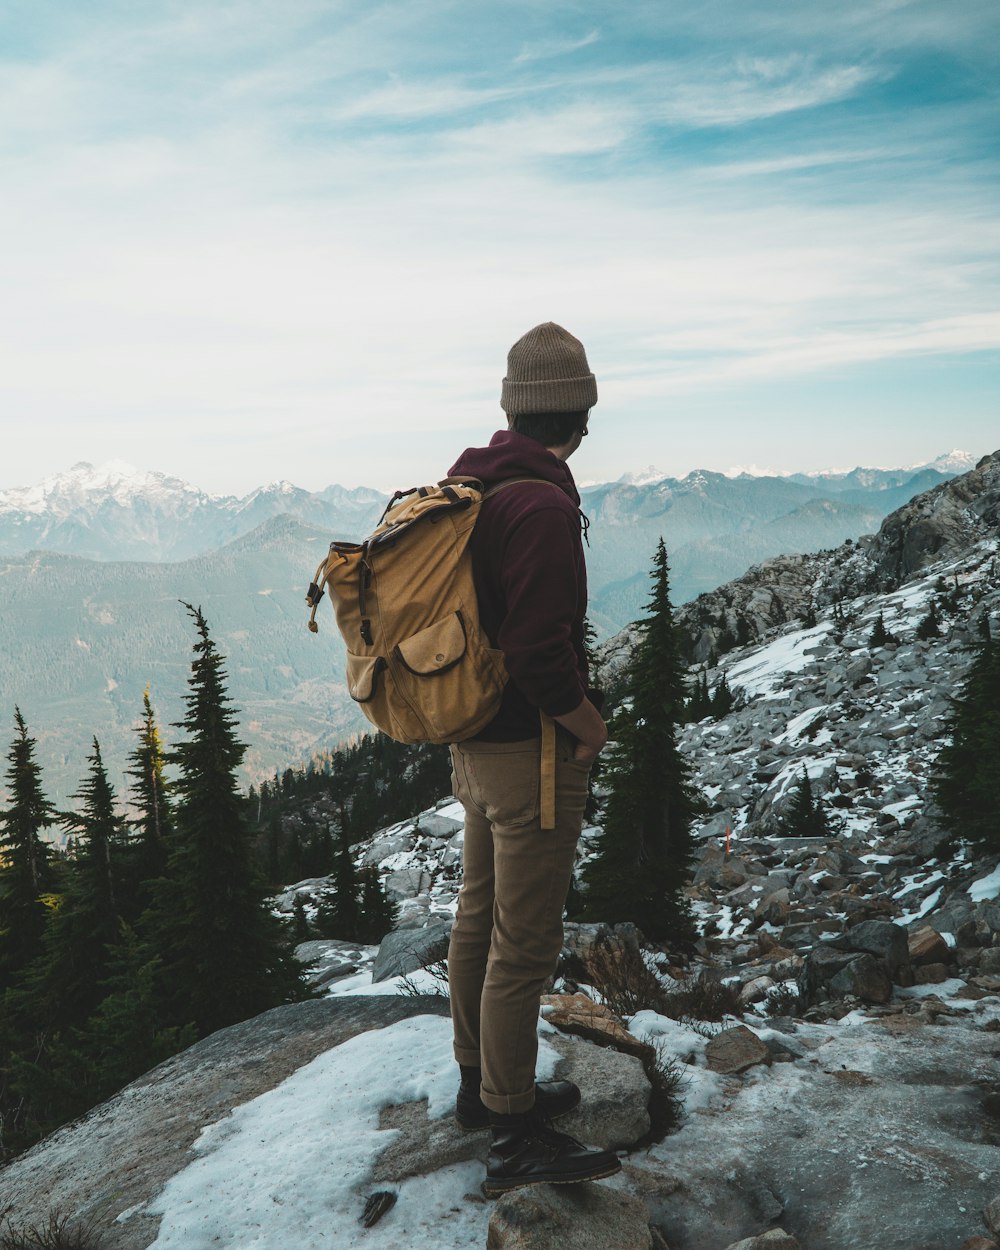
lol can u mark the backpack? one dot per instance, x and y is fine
(418, 662)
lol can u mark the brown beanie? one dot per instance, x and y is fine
(547, 371)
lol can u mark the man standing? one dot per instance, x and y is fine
(531, 585)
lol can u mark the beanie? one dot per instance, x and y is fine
(547, 371)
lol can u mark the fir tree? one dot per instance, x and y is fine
(879, 635)
(301, 932)
(26, 872)
(806, 816)
(930, 626)
(722, 698)
(224, 954)
(148, 852)
(966, 781)
(379, 912)
(644, 854)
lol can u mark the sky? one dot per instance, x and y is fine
(294, 239)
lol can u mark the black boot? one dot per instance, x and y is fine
(527, 1150)
(554, 1098)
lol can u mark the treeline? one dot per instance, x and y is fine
(151, 931)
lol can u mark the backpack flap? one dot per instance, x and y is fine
(362, 676)
(436, 649)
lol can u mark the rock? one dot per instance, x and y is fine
(580, 1015)
(407, 882)
(735, 1050)
(991, 1217)
(118, 1156)
(406, 950)
(927, 946)
(881, 938)
(556, 1217)
(756, 991)
(989, 960)
(423, 1145)
(773, 1239)
(615, 1094)
(863, 977)
(978, 1242)
(931, 974)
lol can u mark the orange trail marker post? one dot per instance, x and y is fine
(727, 839)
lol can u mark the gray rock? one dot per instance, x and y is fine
(615, 1093)
(881, 938)
(991, 1216)
(864, 978)
(406, 950)
(119, 1155)
(424, 1145)
(734, 1050)
(773, 1239)
(407, 882)
(555, 1217)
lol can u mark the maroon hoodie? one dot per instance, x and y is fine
(531, 581)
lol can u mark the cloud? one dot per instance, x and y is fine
(545, 49)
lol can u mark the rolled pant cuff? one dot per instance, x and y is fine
(509, 1104)
(468, 1058)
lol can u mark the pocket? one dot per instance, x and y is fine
(453, 682)
(505, 785)
(362, 676)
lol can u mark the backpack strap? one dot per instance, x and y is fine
(548, 773)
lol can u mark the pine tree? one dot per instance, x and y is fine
(644, 854)
(879, 635)
(26, 872)
(224, 955)
(147, 860)
(301, 932)
(966, 780)
(722, 698)
(806, 817)
(930, 626)
(379, 912)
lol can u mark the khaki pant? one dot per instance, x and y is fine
(508, 931)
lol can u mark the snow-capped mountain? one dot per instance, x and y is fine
(117, 512)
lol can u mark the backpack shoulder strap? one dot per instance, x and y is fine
(515, 481)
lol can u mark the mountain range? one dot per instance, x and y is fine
(80, 638)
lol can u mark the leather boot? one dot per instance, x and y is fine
(553, 1098)
(527, 1150)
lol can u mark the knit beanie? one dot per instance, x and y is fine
(547, 371)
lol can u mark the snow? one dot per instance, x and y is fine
(986, 887)
(765, 670)
(292, 1167)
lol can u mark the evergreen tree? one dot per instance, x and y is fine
(379, 912)
(879, 635)
(966, 781)
(62, 985)
(722, 698)
(148, 852)
(301, 932)
(806, 817)
(699, 704)
(224, 955)
(339, 914)
(26, 872)
(930, 626)
(644, 854)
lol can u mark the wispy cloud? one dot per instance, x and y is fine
(545, 49)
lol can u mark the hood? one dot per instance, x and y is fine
(514, 455)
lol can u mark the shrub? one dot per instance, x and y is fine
(58, 1233)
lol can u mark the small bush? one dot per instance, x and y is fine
(703, 997)
(624, 980)
(439, 974)
(666, 1107)
(58, 1233)
(783, 1001)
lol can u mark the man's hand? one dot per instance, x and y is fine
(586, 724)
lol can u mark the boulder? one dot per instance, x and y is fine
(773, 1239)
(615, 1094)
(978, 1242)
(554, 1217)
(406, 950)
(881, 938)
(580, 1015)
(864, 978)
(735, 1050)
(927, 946)
(931, 974)
(991, 1217)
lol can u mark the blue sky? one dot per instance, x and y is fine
(264, 239)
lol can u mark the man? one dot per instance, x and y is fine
(531, 585)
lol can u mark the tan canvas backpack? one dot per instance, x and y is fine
(418, 662)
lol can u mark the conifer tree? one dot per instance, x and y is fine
(806, 817)
(224, 955)
(62, 985)
(26, 871)
(644, 854)
(723, 698)
(148, 851)
(301, 932)
(879, 635)
(930, 626)
(379, 912)
(966, 781)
